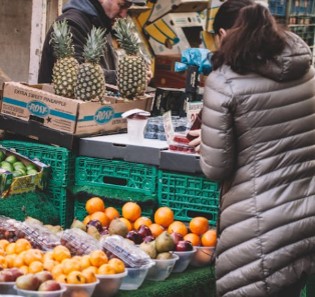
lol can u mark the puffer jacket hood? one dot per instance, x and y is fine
(258, 139)
(293, 63)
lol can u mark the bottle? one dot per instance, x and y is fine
(196, 125)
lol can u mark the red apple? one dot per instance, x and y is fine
(184, 246)
(144, 231)
(134, 236)
(176, 237)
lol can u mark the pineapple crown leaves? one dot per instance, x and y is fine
(61, 40)
(126, 37)
(95, 45)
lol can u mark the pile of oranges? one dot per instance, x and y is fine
(63, 267)
(197, 231)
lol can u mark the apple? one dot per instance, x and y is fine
(49, 285)
(16, 272)
(176, 237)
(27, 282)
(144, 231)
(134, 236)
(44, 276)
(148, 238)
(183, 246)
(6, 276)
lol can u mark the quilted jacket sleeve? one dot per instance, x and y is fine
(217, 146)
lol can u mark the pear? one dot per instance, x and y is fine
(164, 242)
(164, 256)
(118, 227)
(91, 230)
(149, 248)
(78, 224)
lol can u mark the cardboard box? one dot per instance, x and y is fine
(10, 185)
(36, 103)
(119, 147)
(175, 32)
(163, 7)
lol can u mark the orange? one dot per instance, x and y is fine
(69, 265)
(127, 222)
(3, 263)
(24, 269)
(100, 216)
(61, 278)
(86, 219)
(91, 268)
(60, 253)
(21, 245)
(35, 266)
(89, 275)
(3, 243)
(142, 221)
(193, 238)
(75, 277)
(57, 270)
(164, 216)
(117, 264)
(106, 269)
(32, 255)
(209, 238)
(131, 211)
(94, 204)
(178, 227)
(199, 225)
(85, 261)
(10, 248)
(112, 213)
(98, 258)
(156, 229)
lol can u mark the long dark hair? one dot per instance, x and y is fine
(254, 39)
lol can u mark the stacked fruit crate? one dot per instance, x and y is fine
(115, 181)
(61, 161)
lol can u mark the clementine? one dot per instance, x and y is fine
(112, 213)
(94, 204)
(142, 221)
(199, 225)
(117, 264)
(193, 238)
(131, 211)
(106, 269)
(209, 238)
(100, 216)
(164, 216)
(60, 253)
(178, 227)
(21, 245)
(98, 258)
(156, 229)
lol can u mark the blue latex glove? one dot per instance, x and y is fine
(199, 57)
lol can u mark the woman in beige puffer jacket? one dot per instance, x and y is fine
(258, 139)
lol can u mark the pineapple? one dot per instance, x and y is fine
(65, 69)
(91, 81)
(131, 73)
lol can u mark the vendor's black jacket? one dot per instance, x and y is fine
(81, 15)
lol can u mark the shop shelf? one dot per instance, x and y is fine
(60, 159)
(188, 195)
(116, 174)
(277, 7)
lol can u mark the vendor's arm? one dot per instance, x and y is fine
(217, 149)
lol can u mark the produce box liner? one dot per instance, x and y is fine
(38, 103)
(11, 185)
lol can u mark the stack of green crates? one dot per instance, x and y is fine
(116, 182)
(188, 195)
(61, 161)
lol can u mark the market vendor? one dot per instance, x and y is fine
(81, 15)
(257, 139)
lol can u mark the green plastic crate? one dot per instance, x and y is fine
(60, 159)
(62, 200)
(188, 195)
(111, 197)
(116, 174)
(34, 204)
